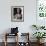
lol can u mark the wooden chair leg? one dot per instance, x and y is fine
(5, 43)
(17, 39)
(5, 39)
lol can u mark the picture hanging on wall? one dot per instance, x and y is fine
(17, 13)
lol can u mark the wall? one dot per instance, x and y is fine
(29, 15)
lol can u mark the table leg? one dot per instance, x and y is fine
(5, 40)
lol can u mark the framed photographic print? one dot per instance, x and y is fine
(17, 13)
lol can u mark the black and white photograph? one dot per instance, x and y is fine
(17, 13)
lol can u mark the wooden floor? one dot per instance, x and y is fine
(13, 44)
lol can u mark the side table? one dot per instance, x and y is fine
(8, 34)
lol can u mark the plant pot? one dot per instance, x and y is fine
(40, 41)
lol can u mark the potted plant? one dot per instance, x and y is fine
(39, 35)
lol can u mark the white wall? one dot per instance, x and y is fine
(29, 15)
